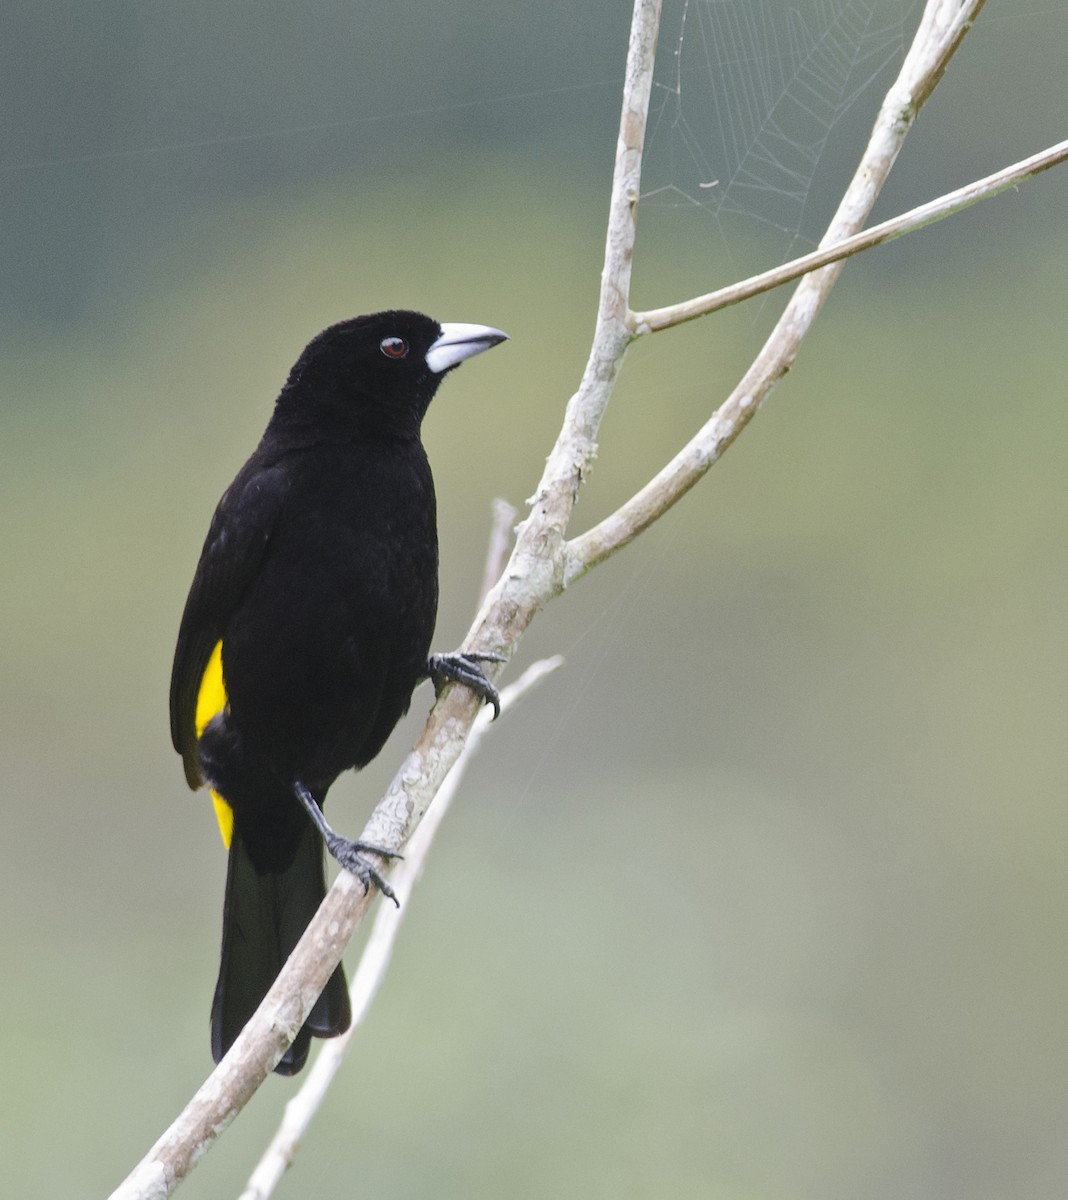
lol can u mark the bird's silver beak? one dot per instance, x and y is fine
(459, 341)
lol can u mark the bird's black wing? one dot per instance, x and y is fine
(240, 532)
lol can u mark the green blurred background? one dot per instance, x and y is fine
(763, 895)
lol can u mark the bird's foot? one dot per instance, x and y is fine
(460, 667)
(349, 855)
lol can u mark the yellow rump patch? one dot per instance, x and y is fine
(224, 814)
(211, 700)
(211, 695)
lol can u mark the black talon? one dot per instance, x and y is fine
(347, 852)
(349, 857)
(462, 667)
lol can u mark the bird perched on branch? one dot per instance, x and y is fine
(306, 629)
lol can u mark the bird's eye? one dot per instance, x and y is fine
(394, 347)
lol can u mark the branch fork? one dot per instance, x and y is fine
(544, 560)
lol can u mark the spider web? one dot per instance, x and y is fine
(745, 104)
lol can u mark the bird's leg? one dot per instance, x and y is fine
(348, 853)
(459, 667)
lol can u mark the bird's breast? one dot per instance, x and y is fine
(322, 655)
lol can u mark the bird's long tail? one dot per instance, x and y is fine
(265, 914)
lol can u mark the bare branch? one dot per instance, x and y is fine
(542, 562)
(301, 1110)
(534, 574)
(260, 1045)
(504, 515)
(656, 319)
(532, 577)
(941, 28)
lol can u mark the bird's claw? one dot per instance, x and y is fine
(463, 667)
(349, 855)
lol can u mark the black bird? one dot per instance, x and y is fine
(307, 627)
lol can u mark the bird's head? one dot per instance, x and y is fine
(380, 371)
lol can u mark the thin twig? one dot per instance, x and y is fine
(301, 1109)
(655, 319)
(941, 28)
(534, 574)
(504, 515)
